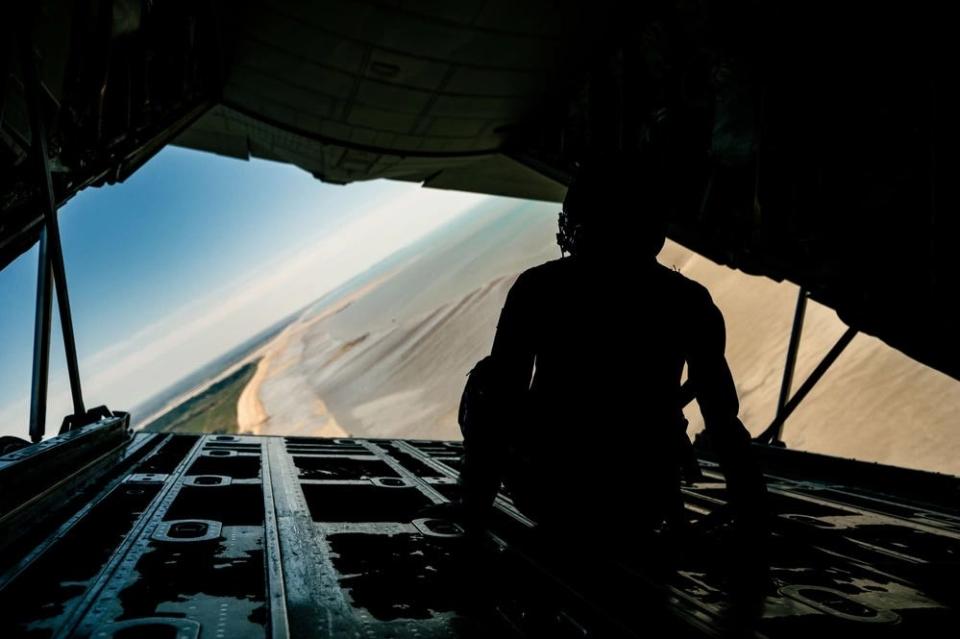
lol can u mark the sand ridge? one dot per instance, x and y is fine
(252, 416)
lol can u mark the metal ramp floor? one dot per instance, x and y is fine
(225, 536)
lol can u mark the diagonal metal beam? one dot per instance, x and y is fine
(777, 425)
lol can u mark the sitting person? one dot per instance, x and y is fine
(577, 409)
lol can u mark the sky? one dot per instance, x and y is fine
(189, 257)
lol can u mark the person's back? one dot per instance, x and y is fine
(603, 400)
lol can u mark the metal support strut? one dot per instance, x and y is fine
(774, 429)
(41, 343)
(796, 332)
(51, 259)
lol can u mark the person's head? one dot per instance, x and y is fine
(614, 208)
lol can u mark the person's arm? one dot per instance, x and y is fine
(717, 396)
(513, 349)
(494, 399)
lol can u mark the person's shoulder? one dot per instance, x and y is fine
(689, 290)
(535, 283)
(551, 268)
(679, 281)
(544, 273)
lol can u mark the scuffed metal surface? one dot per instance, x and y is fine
(336, 538)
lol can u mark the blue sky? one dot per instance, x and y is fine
(190, 256)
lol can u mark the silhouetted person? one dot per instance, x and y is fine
(578, 408)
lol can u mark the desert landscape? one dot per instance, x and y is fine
(390, 357)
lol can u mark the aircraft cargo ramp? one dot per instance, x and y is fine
(214, 536)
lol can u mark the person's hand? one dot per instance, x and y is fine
(740, 542)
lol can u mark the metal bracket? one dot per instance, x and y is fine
(391, 482)
(187, 531)
(218, 452)
(205, 481)
(146, 478)
(438, 528)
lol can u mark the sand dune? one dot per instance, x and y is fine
(403, 381)
(392, 361)
(875, 403)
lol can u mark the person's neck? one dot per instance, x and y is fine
(615, 262)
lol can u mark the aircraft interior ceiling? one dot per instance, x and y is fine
(803, 143)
